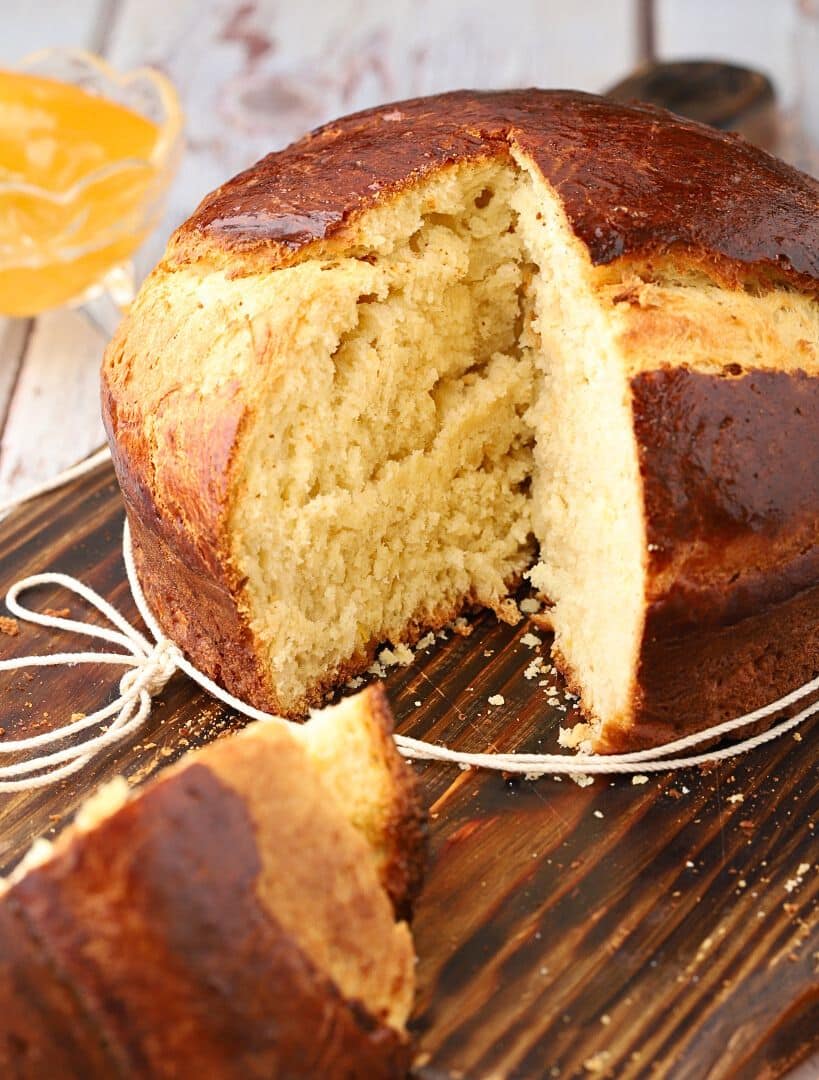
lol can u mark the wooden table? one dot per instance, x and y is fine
(301, 64)
(668, 928)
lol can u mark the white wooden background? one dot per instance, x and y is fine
(254, 74)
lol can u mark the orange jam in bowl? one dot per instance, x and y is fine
(86, 157)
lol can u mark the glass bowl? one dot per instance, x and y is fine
(59, 244)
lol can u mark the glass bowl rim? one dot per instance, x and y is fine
(164, 150)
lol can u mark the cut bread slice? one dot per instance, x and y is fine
(351, 746)
(231, 918)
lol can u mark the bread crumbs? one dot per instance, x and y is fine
(401, 656)
(597, 1063)
(582, 779)
(534, 669)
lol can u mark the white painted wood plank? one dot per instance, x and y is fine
(13, 338)
(54, 417)
(759, 33)
(252, 77)
(45, 23)
(807, 78)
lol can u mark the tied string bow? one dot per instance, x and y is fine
(151, 664)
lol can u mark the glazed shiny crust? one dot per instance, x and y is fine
(634, 181)
(153, 944)
(730, 471)
(639, 186)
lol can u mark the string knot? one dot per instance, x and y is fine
(150, 665)
(154, 672)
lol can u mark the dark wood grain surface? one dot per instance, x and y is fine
(668, 928)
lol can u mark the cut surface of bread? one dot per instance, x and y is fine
(234, 918)
(387, 476)
(340, 417)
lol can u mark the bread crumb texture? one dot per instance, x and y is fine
(440, 404)
(429, 426)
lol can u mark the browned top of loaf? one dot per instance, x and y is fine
(634, 180)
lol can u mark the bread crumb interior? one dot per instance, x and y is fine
(388, 481)
(443, 404)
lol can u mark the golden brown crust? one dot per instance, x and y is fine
(201, 614)
(634, 180)
(730, 472)
(44, 1031)
(695, 680)
(199, 979)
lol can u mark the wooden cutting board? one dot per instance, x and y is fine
(669, 928)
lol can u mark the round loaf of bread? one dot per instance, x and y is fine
(433, 347)
(234, 918)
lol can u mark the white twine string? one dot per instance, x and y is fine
(151, 665)
(654, 759)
